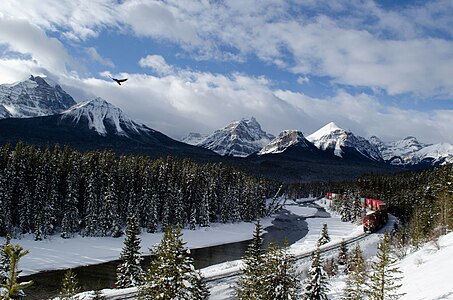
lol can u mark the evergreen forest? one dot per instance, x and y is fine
(60, 191)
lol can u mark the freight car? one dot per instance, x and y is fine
(377, 216)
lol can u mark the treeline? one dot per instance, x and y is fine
(422, 200)
(49, 191)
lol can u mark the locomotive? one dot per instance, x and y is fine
(377, 217)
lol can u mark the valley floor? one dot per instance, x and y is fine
(426, 272)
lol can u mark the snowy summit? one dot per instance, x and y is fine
(285, 139)
(340, 142)
(102, 117)
(36, 96)
(239, 138)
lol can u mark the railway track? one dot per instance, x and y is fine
(231, 276)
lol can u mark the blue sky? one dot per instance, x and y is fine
(380, 68)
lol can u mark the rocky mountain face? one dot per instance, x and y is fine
(239, 138)
(286, 139)
(343, 143)
(96, 125)
(33, 97)
(194, 138)
(103, 117)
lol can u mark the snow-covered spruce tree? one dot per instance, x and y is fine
(71, 216)
(384, 279)
(356, 211)
(5, 262)
(249, 285)
(69, 285)
(12, 289)
(171, 274)
(345, 209)
(130, 273)
(356, 281)
(324, 238)
(279, 278)
(316, 284)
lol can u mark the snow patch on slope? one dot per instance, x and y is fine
(332, 137)
(285, 139)
(97, 112)
(239, 138)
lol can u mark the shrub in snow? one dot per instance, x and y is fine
(69, 285)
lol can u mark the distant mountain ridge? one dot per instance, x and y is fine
(34, 97)
(410, 152)
(95, 125)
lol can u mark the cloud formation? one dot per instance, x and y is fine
(365, 52)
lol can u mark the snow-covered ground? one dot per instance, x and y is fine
(427, 272)
(58, 253)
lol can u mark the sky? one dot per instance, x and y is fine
(381, 68)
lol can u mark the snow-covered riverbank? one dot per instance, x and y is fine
(57, 253)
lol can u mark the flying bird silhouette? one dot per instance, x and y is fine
(118, 80)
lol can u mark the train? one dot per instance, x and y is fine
(376, 217)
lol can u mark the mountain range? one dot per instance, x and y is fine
(245, 137)
(39, 111)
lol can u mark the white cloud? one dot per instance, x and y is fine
(303, 79)
(77, 20)
(93, 53)
(24, 38)
(365, 47)
(157, 63)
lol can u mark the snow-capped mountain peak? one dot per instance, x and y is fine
(335, 139)
(36, 96)
(239, 138)
(326, 130)
(101, 116)
(285, 139)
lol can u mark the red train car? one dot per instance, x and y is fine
(376, 219)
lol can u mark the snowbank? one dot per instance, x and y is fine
(57, 253)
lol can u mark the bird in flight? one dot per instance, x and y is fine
(119, 80)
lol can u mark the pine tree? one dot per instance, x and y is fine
(69, 285)
(279, 276)
(12, 289)
(250, 284)
(356, 281)
(316, 284)
(5, 262)
(345, 210)
(324, 238)
(129, 273)
(384, 280)
(171, 274)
